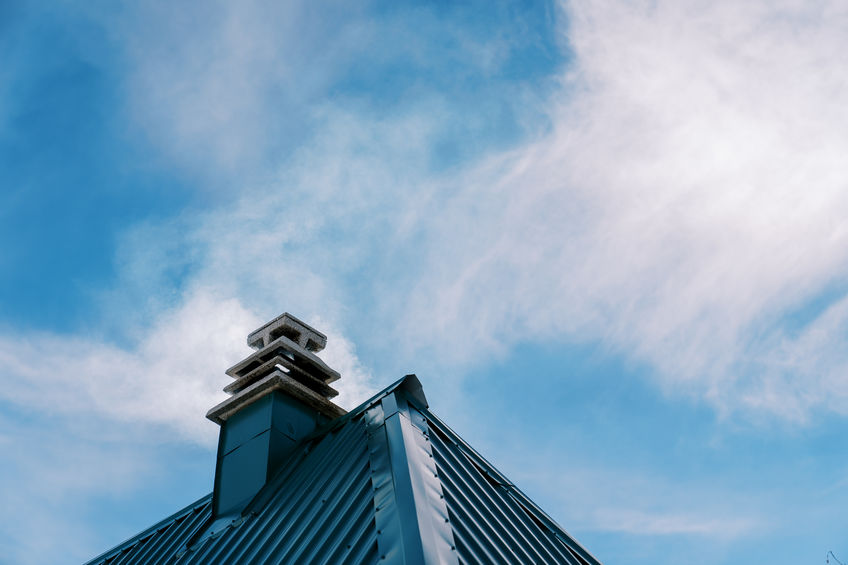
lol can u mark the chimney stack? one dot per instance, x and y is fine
(280, 395)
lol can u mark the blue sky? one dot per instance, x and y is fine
(609, 237)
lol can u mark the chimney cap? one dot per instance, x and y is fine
(285, 360)
(289, 326)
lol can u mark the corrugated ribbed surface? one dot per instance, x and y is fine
(492, 521)
(162, 541)
(319, 509)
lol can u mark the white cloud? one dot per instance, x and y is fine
(690, 194)
(104, 409)
(340, 354)
(605, 499)
(647, 523)
(171, 377)
(222, 89)
(689, 198)
(50, 472)
(221, 83)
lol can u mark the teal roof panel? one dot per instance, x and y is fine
(493, 521)
(387, 483)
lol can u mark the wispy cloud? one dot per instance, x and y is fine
(682, 202)
(223, 89)
(653, 523)
(604, 499)
(689, 194)
(54, 470)
(171, 377)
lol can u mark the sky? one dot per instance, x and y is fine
(610, 238)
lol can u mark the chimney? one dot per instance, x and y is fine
(280, 395)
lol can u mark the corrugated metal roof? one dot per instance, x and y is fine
(157, 543)
(387, 483)
(318, 509)
(493, 522)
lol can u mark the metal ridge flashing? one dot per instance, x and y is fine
(410, 511)
(409, 384)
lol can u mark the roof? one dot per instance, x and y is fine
(387, 483)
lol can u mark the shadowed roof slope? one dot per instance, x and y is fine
(385, 483)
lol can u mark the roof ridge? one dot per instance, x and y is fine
(411, 515)
(409, 384)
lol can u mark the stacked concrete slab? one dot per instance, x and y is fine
(284, 359)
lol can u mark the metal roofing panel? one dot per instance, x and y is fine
(161, 540)
(386, 483)
(319, 509)
(493, 522)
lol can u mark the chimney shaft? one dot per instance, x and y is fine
(279, 396)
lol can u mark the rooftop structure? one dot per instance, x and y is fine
(299, 480)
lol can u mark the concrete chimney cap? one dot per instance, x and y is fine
(294, 329)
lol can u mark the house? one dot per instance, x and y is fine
(299, 480)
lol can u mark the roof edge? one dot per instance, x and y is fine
(530, 507)
(130, 542)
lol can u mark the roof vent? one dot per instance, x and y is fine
(285, 360)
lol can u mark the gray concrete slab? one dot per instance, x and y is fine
(276, 380)
(287, 325)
